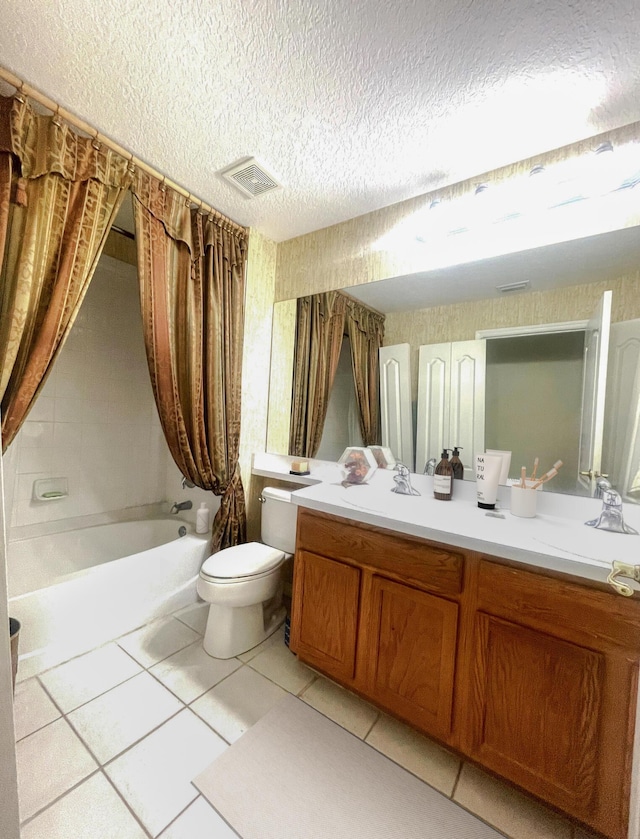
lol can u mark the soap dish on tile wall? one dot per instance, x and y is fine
(50, 489)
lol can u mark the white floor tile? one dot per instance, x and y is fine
(155, 775)
(82, 679)
(276, 638)
(93, 810)
(194, 616)
(199, 821)
(349, 711)
(417, 754)
(123, 715)
(158, 640)
(191, 672)
(236, 704)
(516, 815)
(32, 708)
(50, 762)
(280, 665)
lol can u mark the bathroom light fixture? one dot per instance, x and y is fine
(531, 198)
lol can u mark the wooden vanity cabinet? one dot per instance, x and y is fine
(549, 691)
(379, 613)
(528, 674)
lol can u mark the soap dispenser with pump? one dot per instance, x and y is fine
(443, 478)
(456, 464)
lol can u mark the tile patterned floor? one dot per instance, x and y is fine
(108, 743)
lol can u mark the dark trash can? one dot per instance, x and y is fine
(14, 633)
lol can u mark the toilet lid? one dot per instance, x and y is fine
(242, 561)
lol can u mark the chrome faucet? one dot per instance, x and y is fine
(610, 517)
(430, 466)
(186, 483)
(181, 505)
(402, 481)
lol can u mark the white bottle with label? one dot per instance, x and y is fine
(202, 518)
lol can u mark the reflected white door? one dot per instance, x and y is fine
(466, 410)
(451, 387)
(395, 402)
(621, 449)
(434, 391)
(596, 354)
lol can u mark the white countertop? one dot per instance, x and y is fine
(556, 538)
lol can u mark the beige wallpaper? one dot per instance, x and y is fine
(282, 346)
(121, 247)
(261, 265)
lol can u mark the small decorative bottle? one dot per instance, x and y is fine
(443, 479)
(202, 518)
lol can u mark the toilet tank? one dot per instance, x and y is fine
(278, 521)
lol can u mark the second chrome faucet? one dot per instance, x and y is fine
(180, 505)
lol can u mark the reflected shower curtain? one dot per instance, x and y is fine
(59, 194)
(366, 331)
(192, 278)
(319, 334)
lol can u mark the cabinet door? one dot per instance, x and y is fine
(537, 702)
(412, 644)
(325, 613)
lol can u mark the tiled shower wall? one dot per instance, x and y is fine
(95, 421)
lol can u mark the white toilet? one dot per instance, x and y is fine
(243, 583)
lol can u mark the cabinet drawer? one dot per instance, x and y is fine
(588, 615)
(429, 565)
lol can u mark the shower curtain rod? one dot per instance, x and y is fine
(22, 87)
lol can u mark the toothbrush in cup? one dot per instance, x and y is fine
(535, 468)
(548, 475)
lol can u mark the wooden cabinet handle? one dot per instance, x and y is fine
(621, 569)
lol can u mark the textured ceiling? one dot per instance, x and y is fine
(352, 105)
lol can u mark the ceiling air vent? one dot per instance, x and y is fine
(250, 178)
(513, 286)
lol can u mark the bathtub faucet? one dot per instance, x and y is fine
(181, 505)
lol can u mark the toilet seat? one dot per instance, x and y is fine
(251, 560)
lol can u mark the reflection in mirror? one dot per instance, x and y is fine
(324, 358)
(532, 402)
(341, 426)
(611, 260)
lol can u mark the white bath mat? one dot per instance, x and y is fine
(297, 775)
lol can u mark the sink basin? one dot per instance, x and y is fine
(380, 500)
(578, 540)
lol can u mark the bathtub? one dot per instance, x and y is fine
(75, 590)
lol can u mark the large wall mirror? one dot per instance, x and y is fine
(564, 283)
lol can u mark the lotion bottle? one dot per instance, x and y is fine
(443, 479)
(456, 464)
(202, 518)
